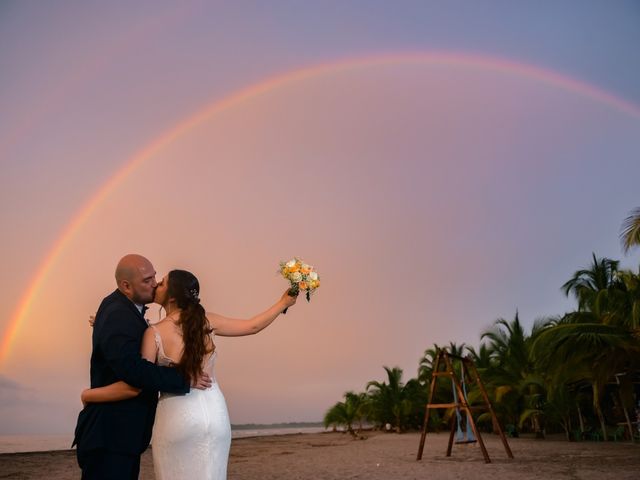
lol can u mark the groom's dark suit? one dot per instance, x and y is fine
(108, 433)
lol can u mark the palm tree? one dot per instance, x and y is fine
(596, 341)
(425, 368)
(629, 299)
(484, 358)
(592, 286)
(395, 402)
(630, 234)
(590, 351)
(513, 380)
(347, 413)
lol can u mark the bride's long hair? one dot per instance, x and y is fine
(184, 288)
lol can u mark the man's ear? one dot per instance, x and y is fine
(125, 285)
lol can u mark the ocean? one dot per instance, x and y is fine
(43, 443)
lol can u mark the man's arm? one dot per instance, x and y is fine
(120, 343)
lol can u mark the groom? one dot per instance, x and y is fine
(112, 436)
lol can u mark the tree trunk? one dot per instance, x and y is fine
(536, 426)
(580, 421)
(566, 425)
(603, 426)
(596, 405)
(628, 420)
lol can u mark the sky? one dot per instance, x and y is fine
(441, 164)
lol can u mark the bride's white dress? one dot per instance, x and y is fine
(191, 433)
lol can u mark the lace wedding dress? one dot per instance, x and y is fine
(191, 433)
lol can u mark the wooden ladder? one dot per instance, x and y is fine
(469, 370)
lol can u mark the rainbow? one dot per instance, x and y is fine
(452, 59)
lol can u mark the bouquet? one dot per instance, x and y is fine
(301, 276)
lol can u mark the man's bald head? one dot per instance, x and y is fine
(136, 278)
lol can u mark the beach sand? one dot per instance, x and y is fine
(380, 456)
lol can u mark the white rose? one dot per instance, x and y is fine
(313, 276)
(296, 277)
(291, 263)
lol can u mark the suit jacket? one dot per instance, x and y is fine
(124, 426)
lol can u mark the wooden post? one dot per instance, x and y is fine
(490, 408)
(432, 389)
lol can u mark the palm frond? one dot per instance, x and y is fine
(630, 233)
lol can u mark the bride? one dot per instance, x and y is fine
(191, 433)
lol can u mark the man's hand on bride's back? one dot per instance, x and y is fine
(203, 382)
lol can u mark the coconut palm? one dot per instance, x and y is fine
(630, 235)
(596, 342)
(590, 351)
(629, 299)
(394, 402)
(513, 380)
(555, 405)
(484, 358)
(348, 412)
(425, 368)
(592, 286)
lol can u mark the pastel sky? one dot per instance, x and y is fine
(442, 164)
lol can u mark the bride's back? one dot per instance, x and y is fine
(171, 341)
(171, 337)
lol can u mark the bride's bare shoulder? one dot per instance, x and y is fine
(163, 324)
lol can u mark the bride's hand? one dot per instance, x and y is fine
(287, 299)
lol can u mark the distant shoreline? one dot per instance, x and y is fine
(18, 444)
(265, 426)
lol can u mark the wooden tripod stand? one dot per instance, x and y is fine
(443, 358)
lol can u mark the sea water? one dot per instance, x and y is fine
(44, 443)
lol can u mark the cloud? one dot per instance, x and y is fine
(12, 393)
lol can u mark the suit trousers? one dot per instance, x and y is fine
(104, 465)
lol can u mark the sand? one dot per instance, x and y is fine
(380, 456)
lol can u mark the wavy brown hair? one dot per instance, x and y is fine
(184, 288)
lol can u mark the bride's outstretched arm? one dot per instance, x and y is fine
(121, 390)
(234, 327)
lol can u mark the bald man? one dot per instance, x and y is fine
(112, 436)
